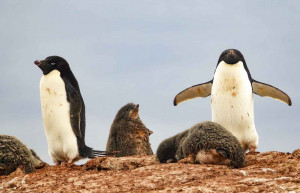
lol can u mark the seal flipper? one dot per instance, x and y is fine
(263, 89)
(199, 90)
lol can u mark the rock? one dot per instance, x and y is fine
(296, 153)
(121, 163)
(264, 172)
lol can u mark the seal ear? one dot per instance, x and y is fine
(263, 90)
(199, 90)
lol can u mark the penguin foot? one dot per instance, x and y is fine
(57, 163)
(252, 149)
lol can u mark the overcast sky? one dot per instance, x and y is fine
(146, 52)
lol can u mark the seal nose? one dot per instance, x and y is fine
(37, 62)
(231, 52)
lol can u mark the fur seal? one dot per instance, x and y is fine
(14, 154)
(206, 142)
(128, 135)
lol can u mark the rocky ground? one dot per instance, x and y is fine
(263, 172)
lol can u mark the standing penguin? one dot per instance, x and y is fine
(128, 134)
(63, 112)
(231, 91)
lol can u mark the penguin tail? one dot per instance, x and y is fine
(88, 152)
(97, 153)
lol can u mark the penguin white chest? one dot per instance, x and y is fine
(232, 103)
(62, 142)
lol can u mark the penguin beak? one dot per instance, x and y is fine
(231, 57)
(37, 62)
(137, 106)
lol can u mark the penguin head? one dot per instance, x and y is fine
(231, 56)
(53, 63)
(129, 111)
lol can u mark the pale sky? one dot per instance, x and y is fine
(146, 52)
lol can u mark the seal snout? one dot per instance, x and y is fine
(37, 62)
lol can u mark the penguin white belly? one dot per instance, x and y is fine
(62, 142)
(232, 103)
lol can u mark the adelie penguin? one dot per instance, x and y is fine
(231, 91)
(63, 112)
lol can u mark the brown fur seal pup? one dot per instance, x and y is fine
(167, 149)
(206, 142)
(128, 135)
(14, 154)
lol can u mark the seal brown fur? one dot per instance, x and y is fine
(128, 135)
(14, 154)
(167, 149)
(205, 142)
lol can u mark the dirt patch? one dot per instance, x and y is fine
(263, 172)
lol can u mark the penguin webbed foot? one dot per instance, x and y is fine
(252, 150)
(56, 162)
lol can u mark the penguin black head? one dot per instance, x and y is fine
(231, 56)
(129, 111)
(53, 63)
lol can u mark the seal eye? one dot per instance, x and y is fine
(52, 63)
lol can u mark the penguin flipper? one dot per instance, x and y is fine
(263, 89)
(76, 106)
(199, 90)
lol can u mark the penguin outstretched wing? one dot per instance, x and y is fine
(199, 90)
(263, 90)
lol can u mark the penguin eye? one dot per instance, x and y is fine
(52, 63)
